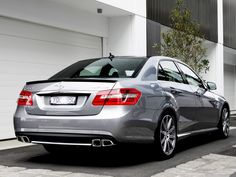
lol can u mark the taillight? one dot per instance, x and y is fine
(25, 98)
(123, 96)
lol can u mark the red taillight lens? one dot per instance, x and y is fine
(25, 98)
(123, 96)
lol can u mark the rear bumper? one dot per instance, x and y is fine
(118, 125)
(65, 139)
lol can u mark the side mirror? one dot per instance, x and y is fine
(211, 86)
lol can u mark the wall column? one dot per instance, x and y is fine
(220, 50)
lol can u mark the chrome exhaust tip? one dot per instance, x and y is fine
(106, 142)
(96, 143)
(23, 139)
(19, 138)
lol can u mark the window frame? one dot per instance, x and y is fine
(59, 75)
(184, 75)
(180, 71)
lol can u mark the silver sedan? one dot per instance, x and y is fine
(108, 101)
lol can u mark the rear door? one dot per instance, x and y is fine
(206, 105)
(172, 81)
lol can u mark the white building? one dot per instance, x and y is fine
(40, 37)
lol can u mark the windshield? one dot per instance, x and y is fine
(103, 68)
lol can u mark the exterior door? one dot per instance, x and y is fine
(207, 112)
(35, 52)
(174, 84)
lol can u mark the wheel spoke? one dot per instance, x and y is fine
(172, 143)
(228, 125)
(228, 122)
(224, 128)
(226, 114)
(165, 146)
(163, 140)
(171, 131)
(164, 125)
(169, 123)
(163, 132)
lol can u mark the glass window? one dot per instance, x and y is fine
(103, 68)
(191, 77)
(167, 71)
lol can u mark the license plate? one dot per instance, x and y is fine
(63, 100)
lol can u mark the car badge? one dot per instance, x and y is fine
(59, 86)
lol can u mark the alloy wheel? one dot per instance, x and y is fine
(225, 122)
(168, 135)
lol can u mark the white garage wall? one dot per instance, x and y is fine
(135, 6)
(211, 56)
(55, 14)
(127, 35)
(32, 52)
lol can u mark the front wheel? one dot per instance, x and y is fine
(224, 124)
(166, 136)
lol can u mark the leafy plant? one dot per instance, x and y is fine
(184, 40)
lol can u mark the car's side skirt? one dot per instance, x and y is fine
(182, 135)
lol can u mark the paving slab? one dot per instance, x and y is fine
(207, 166)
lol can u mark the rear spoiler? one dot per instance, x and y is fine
(70, 80)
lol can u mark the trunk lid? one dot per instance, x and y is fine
(83, 90)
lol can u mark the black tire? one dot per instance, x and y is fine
(224, 123)
(166, 136)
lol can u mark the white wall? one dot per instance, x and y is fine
(230, 76)
(229, 83)
(135, 6)
(211, 56)
(55, 14)
(216, 73)
(229, 56)
(127, 35)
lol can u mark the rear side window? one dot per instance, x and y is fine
(103, 68)
(167, 71)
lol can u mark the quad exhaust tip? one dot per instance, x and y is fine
(102, 143)
(106, 142)
(23, 139)
(95, 142)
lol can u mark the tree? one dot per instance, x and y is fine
(184, 40)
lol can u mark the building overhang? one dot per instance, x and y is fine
(91, 6)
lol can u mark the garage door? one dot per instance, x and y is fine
(31, 52)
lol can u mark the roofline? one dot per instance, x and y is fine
(168, 58)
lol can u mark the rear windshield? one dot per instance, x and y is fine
(103, 68)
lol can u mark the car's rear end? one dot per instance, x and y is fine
(90, 103)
